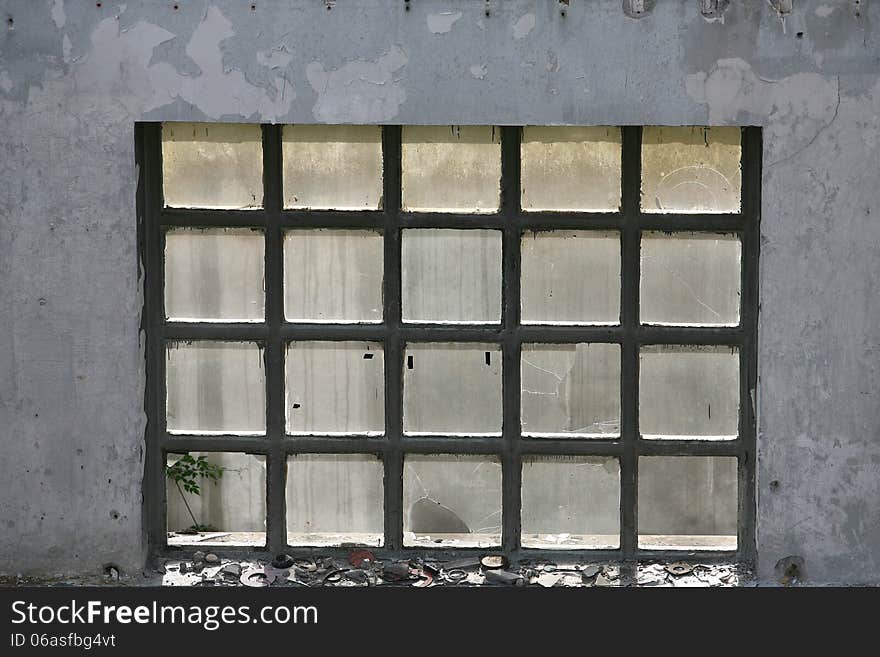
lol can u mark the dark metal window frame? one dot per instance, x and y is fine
(511, 447)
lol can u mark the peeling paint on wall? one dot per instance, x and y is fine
(523, 26)
(442, 23)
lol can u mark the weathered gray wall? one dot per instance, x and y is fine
(74, 77)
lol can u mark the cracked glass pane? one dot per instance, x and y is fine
(688, 502)
(451, 168)
(333, 275)
(689, 392)
(335, 388)
(571, 168)
(212, 165)
(214, 275)
(227, 508)
(215, 388)
(691, 169)
(452, 389)
(451, 500)
(690, 279)
(570, 502)
(571, 277)
(570, 390)
(335, 499)
(332, 167)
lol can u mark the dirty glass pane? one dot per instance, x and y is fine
(570, 502)
(334, 499)
(451, 168)
(452, 389)
(451, 276)
(214, 275)
(215, 388)
(230, 506)
(333, 275)
(212, 165)
(574, 168)
(332, 167)
(687, 502)
(690, 279)
(689, 392)
(451, 500)
(335, 388)
(691, 169)
(571, 277)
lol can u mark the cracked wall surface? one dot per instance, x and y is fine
(75, 77)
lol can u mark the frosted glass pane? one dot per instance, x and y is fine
(212, 165)
(571, 277)
(690, 279)
(452, 389)
(451, 500)
(333, 275)
(451, 168)
(335, 499)
(451, 276)
(335, 387)
(230, 510)
(687, 502)
(570, 390)
(570, 502)
(571, 168)
(689, 392)
(214, 274)
(691, 169)
(215, 387)
(332, 167)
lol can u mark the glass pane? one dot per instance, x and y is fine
(570, 502)
(570, 390)
(690, 279)
(689, 392)
(571, 277)
(691, 169)
(452, 389)
(451, 500)
(571, 168)
(229, 507)
(687, 502)
(335, 387)
(451, 276)
(333, 276)
(451, 168)
(332, 167)
(214, 275)
(335, 499)
(212, 165)
(215, 388)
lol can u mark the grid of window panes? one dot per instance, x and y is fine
(534, 338)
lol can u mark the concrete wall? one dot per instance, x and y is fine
(74, 77)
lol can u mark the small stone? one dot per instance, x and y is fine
(602, 580)
(199, 556)
(212, 558)
(590, 571)
(232, 569)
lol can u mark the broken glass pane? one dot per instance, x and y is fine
(229, 507)
(687, 502)
(335, 388)
(452, 389)
(691, 169)
(215, 388)
(689, 392)
(333, 275)
(451, 168)
(451, 276)
(335, 499)
(570, 502)
(571, 168)
(571, 277)
(451, 500)
(212, 165)
(332, 167)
